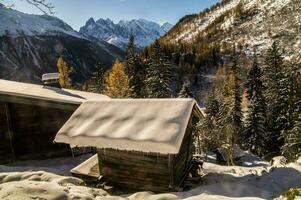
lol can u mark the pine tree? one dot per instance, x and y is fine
(209, 137)
(97, 81)
(117, 82)
(134, 69)
(158, 75)
(230, 116)
(292, 146)
(64, 71)
(255, 134)
(130, 50)
(290, 89)
(238, 11)
(185, 91)
(274, 65)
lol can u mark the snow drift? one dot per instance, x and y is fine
(220, 182)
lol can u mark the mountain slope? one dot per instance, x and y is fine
(31, 44)
(14, 22)
(252, 23)
(202, 44)
(145, 32)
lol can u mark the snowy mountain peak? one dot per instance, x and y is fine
(166, 26)
(104, 21)
(31, 44)
(91, 21)
(14, 23)
(144, 31)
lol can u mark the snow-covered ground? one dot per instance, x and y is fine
(260, 181)
(200, 24)
(61, 166)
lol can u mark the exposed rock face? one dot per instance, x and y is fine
(145, 32)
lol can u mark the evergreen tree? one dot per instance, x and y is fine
(117, 82)
(130, 50)
(230, 116)
(273, 75)
(185, 91)
(134, 69)
(97, 81)
(292, 146)
(291, 90)
(255, 133)
(158, 75)
(209, 137)
(64, 71)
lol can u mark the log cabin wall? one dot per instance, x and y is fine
(30, 130)
(142, 171)
(5, 149)
(135, 170)
(182, 160)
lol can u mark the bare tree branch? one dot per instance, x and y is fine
(42, 5)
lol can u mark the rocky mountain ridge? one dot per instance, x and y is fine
(31, 44)
(145, 32)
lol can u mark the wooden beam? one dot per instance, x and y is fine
(171, 171)
(196, 111)
(9, 129)
(100, 163)
(38, 102)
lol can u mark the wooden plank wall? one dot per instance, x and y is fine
(5, 150)
(182, 160)
(135, 170)
(140, 171)
(33, 129)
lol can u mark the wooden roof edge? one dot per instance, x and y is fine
(197, 110)
(43, 102)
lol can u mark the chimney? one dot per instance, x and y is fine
(51, 80)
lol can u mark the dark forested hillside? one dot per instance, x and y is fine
(26, 58)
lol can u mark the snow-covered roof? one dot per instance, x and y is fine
(203, 110)
(86, 167)
(147, 125)
(41, 92)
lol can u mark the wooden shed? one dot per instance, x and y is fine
(143, 144)
(30, 117)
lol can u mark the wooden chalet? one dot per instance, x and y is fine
(30, 117)
(143, 144)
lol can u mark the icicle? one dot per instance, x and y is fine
(71, 151)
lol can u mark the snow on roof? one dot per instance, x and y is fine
(147, 125)
(203, 110)
(86, 167)
(46, 93)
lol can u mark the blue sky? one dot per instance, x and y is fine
(76, 12)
